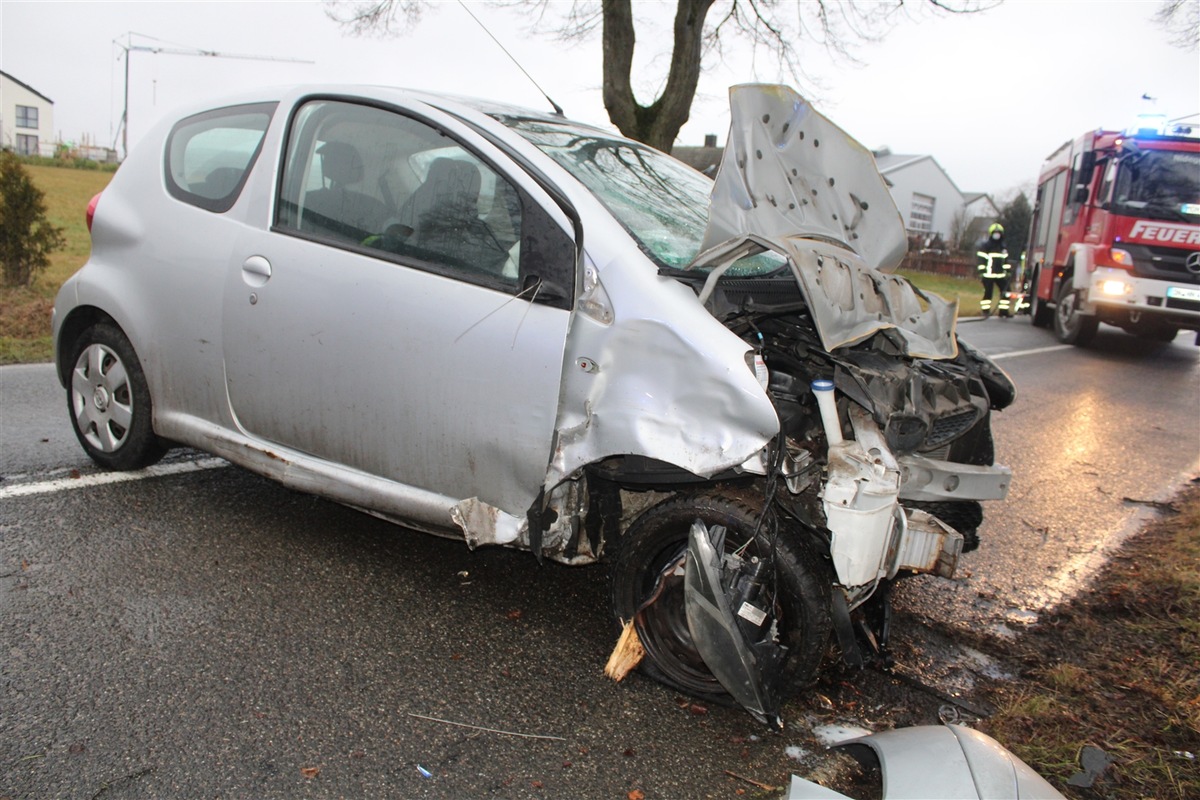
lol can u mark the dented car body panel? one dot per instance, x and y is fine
(501, 326)
(931, 762)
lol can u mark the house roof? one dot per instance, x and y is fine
(27, 86)
(702, 159)
(887, 162)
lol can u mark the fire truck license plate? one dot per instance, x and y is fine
(1180, 293)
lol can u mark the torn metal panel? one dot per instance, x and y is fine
(485, 524)
(793, 182)
(745, 668)
(562, 537)
(789, 171)
(850, 302)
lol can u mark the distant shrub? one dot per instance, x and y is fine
(26, 238)
(76, 162)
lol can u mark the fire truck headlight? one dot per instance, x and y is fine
(1115, 288)
(1121, 257)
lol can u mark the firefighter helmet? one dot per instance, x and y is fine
(994, 228)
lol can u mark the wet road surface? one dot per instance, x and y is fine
(212, 634)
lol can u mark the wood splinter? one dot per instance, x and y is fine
(626, 655)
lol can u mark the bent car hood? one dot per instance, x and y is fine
(793, 182)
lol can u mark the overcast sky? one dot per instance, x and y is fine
(988, 95)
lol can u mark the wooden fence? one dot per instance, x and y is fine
(940, 264)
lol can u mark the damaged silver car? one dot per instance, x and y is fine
(499, 325)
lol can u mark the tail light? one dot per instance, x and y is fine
(91, 210)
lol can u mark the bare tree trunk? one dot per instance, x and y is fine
(658, 123)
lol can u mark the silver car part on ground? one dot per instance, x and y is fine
(932, 762)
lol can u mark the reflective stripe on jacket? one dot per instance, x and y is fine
(994, 265)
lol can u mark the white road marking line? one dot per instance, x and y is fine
(102, 478)
(1035, 351)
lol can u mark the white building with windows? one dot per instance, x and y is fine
(925, 195)
(26, 118)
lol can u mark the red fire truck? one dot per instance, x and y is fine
(1115, 235)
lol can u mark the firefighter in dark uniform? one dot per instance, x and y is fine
(994, 271)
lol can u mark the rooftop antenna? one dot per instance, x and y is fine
(129, 47)
(557, 108)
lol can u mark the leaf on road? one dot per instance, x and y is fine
(310, 772)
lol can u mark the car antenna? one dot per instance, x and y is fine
(557, 108)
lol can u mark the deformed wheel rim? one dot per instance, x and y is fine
(663, 630)
(101, 398)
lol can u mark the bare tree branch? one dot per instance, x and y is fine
(782, 29)
(1181, 19)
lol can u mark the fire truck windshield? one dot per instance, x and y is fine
(1159, 184)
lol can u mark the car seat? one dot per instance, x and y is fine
(336, 209)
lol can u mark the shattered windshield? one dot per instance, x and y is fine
(1158, 184)
(662, 202)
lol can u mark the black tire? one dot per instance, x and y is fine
(659, 537)
(1070, 326)
(109, 402)
(1040, 314)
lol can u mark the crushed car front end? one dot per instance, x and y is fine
(832, 436)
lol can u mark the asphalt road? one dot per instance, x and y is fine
(210, 634)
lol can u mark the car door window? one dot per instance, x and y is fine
(370, 179)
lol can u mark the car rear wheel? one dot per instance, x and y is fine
(1070, 326)
(109, 401)
(645, 567)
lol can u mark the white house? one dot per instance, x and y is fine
(26, 118)
(925, 195)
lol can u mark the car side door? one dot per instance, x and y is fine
(406, 313)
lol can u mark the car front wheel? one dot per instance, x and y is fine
(109, 401)
(648, 587)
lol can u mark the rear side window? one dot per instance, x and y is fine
(209, 155)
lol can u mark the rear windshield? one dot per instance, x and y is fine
(661, 201)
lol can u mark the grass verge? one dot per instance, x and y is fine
(1118, 669)
(25, 311)
(967, 291)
